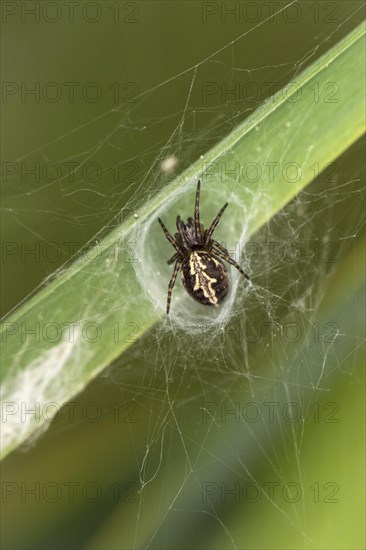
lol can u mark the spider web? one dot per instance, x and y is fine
(217, 392)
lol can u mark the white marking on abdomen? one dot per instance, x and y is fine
(203, 280)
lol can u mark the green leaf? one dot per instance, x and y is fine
(61, 338)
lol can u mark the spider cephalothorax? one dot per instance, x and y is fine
(204, 275)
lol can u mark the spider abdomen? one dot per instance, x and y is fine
(205, 278)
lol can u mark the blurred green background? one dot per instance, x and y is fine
(134, 461)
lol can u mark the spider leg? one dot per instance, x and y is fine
(197, 225)
(230, 261)
(168, 236)
(173, 258)
(182, 232)
(213, 226)
(219, 246)
(178, 263)
(180, 225)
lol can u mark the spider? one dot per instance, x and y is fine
(204, 276)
